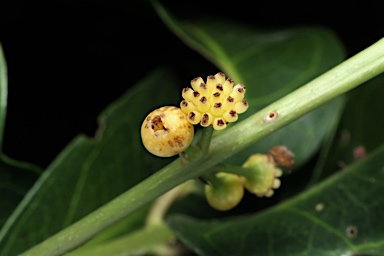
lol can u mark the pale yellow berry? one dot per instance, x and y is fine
(203, 105)
(217, 109)
(228, 103)
(216, 97)
(206, 120)
(211, 83)
(166, 131)
(187, 94)
(230, 116)
(225, 193)
(218, 89)
(194, 117)
(187, 106)
(219, 123)
(220, 77)
(238, 92)
(196, 83)
(241, 106)
(228, 86)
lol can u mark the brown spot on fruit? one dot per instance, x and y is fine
(217, 105)
(157, 123)
(220, 122)
(179, 141)
(191, 116)
(171, 132)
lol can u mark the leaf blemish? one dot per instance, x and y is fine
(351, 231)
(319, 207)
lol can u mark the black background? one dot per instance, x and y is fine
(67, 60)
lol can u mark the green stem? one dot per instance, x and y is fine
(342, 78)
(205, 139)
(201, 148)
(234, 169)
(3, 94)
(210, 178)
(163, 203)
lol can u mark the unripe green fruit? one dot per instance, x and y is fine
(166, 132)
(263, 175)
(226, 192)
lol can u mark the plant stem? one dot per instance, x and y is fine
(234, 169)
(161, 205)
(3, 94)
(342, 78)
(205, 139)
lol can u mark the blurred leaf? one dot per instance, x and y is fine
(340, 216)
(271, 63)
(359, 130)
(150, 240)
(15, 180)
(134, 222)
(15, 177)
(90, 172)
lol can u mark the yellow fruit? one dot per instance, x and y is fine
(217, 99)
(166, 132)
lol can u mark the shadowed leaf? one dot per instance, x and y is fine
(90, 172)
(270, 63)
(15, 177)
(359, 129)
(337, 217)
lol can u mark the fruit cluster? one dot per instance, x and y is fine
(259, 175)
(216, 102)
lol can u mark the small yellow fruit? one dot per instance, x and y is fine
(166, 132)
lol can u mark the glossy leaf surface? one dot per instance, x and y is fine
(340, 216)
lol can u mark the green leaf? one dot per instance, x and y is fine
(15, 180)
(359, 129)
(15, 177)
(90, 172)
(271, 63)
(340, 216)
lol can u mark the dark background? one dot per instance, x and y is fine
(67, 60)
